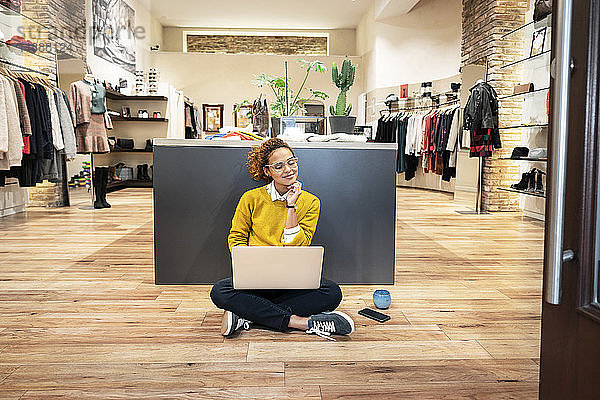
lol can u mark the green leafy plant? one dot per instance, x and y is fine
(298, 98)
(344, 82)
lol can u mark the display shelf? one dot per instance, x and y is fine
(136, 119)
(130, 183)
(525, 126)
(525, 192)
(525, 159)
(523, 94)
(113, 95)
(21, 52)
(525, 59)
(12, 13)
(130, 151)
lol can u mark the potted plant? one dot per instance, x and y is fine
(340, 120)
(290, 102)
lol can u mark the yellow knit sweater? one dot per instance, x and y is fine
(260, 221)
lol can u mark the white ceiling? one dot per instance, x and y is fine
(269, 14)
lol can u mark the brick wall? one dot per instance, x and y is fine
(66, 36)
(240, 44)
(484, 24)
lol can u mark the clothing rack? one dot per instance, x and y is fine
(420, 107)
(24, 68)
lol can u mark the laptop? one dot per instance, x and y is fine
(277, 267)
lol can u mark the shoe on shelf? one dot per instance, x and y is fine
(524, 184)
(145, 175)
(140, 173)
(539, 186)
(232, 323)
(330, 323)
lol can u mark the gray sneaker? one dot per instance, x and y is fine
(232, 323)
(328, 323)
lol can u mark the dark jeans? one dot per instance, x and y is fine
(273, 308)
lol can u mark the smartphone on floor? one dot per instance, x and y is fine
(376, 315)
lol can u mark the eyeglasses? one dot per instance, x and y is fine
(291, 162)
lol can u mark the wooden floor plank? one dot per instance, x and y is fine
(434, 391)
(82, 318)
(225, 393)
(411, 372)
(152, 376)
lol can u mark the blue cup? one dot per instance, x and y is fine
(382, 299)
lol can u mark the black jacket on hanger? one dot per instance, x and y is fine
(481, 112)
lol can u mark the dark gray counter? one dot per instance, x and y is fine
(198, 183)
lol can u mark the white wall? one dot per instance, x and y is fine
(104, 70)
(423, 45)
(226, 78)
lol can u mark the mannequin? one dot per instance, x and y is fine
(88, 104)
(89, 78)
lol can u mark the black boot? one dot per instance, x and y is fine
(145, 172)
(148, 145)
(104, 184)
(98, 174)
(140, 174)
(524, 184)
(539, 186)
(531, 183)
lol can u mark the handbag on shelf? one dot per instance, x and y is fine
(543, 8)
(525, 88)
(126, 144)
(260, 116)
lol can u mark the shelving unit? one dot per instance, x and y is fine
(130, 183)
(137, 119)
(525, 192)
(138, 129)
(536, 70)
(523, 94)
(525, 159)
(525, 126)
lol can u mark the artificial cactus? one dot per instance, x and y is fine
(343, 81)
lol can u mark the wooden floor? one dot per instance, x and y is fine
(82, 319)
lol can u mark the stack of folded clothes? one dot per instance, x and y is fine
(22, 43)
(14, 5)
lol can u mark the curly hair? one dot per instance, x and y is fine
(258, 158)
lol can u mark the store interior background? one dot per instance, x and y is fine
(386, 40)
(490, 295)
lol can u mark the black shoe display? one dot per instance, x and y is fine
(140, 173)
(524, 184)
(148, 145)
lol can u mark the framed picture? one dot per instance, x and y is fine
(538, 41)
(125, 112)
(243, 116)
(212, 117)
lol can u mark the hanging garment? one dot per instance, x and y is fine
(8, 113)
(90, 128)
(175, 114)
(481, 120)
(66, 127)
(57, 138)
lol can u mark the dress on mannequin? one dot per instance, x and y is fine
(88, 108)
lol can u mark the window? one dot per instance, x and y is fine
(269, 43)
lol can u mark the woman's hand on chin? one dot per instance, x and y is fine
(294, 192)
